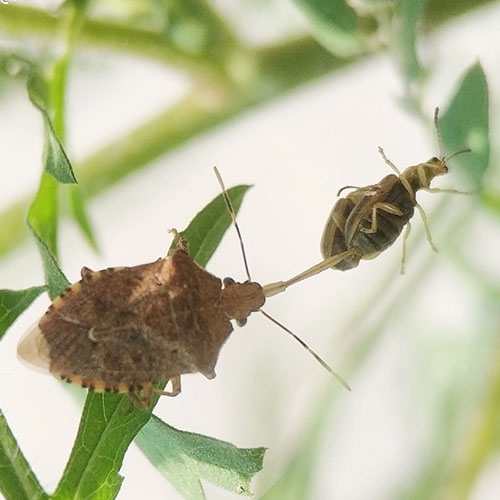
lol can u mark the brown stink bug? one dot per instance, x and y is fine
(369, 219)
(124, 329)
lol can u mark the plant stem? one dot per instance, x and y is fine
(479, 438)
(26, 21)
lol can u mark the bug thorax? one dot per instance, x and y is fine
(239, 300)
(420, 176)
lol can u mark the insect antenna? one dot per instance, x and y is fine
(280, 286)
(456, 153)
(446, 159)
(316, 356)
(232, 212)
(438, 130)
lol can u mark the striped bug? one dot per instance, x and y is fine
(369, 219)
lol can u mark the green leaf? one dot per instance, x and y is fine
(54, 277)
(107, 427)
(206, 230)
(80, 215)
(109, 423)
(55, 160)
(75, 14)
(407, 16)
(465, 123)
(38, 90)
(334, 25)
(17, 481)
(185, 458)
(42, 214)
(14, 302)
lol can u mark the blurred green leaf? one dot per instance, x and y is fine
(42, 214)
(80, 215)
(195, 27)
(54, 277)
(109, 423)
(38, 90)
(407, 16)
(205, 231)
(55, 161)
(14, 302)
(185, 458)
(492, 201)
(295, 482)
(334, 25)
(75, 11)
(17, 481)
(465, 123)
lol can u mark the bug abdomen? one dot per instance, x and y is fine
(392, 213)
(333, 241)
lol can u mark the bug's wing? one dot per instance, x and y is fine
(333, 239)
(33, 350)
(134, 325)
(130, 354)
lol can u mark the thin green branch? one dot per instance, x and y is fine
(479, 440)
(439, 11)
(214, 66)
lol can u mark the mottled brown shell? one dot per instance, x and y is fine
(122, 329)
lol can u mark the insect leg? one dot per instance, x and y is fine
(176, 387)
(386, 207)
(387, 161)
(142, 398)
(441, 190)
(426, 226)
(348, 187)
(179, 241)
(403, 255)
